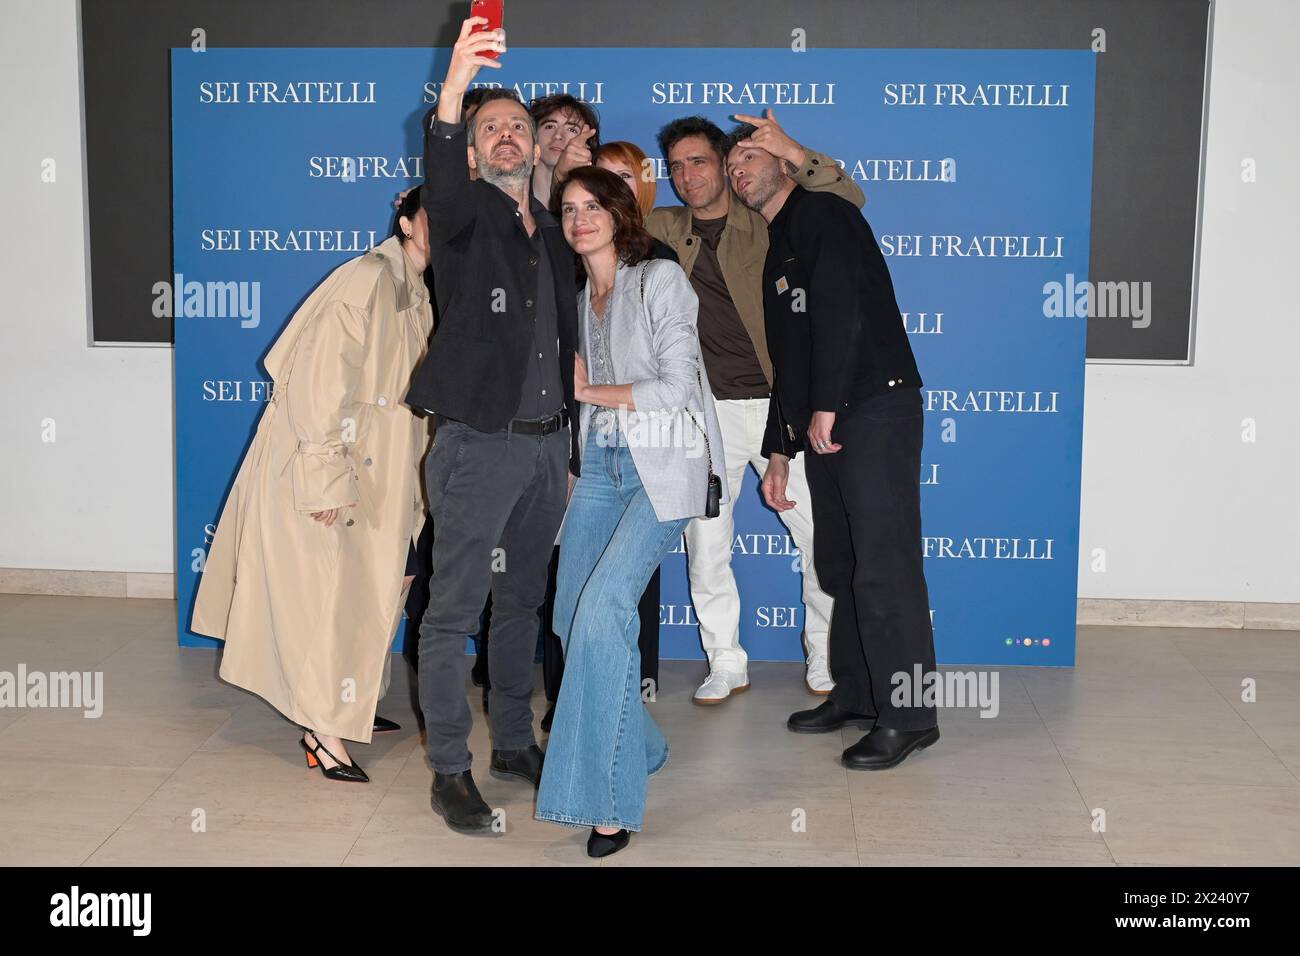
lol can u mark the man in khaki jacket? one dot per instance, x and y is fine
(722, 245)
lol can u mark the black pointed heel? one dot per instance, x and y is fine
(604, 844)
(347, 772)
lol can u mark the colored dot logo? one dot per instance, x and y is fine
(1009, 642)
(1047, 642)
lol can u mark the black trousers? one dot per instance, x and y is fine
(553, 651)
(648, 641)
(866, 502)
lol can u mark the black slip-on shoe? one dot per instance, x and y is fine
(884, 748)
(825, 717)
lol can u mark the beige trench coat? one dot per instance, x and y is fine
(307, 611)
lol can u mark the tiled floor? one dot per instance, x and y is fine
(1149, 728)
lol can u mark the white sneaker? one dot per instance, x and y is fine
(720, 685)
(818, 677)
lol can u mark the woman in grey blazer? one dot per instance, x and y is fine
(650, 444)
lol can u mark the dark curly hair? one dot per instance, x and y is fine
(743, 131)
(679, 129)
(631, 241)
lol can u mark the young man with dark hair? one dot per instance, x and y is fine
(848, 394)
(721, 245)
(568, 135)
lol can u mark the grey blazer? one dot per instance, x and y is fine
(656, 349)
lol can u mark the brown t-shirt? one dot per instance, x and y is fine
(729, 356)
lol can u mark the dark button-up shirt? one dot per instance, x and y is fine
(489, 293)
(543, 391)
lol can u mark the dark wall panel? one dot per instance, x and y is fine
(1147, 157)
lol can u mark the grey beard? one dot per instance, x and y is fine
(506, 180)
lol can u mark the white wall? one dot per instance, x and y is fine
(100, 496)
(1181, 506)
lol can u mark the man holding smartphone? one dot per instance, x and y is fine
(848, 394)
(499, 377)
(721, 245)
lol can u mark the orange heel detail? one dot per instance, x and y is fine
(341, 771)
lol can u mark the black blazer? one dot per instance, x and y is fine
(483, 260)
(834, 330)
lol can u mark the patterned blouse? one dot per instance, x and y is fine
(602, 373)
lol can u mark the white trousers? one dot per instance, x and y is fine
(709, 542)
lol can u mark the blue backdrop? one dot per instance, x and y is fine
(977, 166)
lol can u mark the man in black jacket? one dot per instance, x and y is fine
(847, 392)
(499, 376)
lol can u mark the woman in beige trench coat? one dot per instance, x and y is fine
(304, 580)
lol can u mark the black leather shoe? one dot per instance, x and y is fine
(548, 719)
(518, 763)
(603, 844)
(825, 717)
(884, 748)
(384, 726)
(456, 799)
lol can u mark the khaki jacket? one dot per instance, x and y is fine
(308, 612)
(743, 246)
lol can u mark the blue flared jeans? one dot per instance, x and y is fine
(604, 744)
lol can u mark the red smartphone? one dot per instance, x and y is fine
(495, 11)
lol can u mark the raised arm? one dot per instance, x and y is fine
(448, 196)
(815, 172)
(821, 173)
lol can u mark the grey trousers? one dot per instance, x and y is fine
(496, 500)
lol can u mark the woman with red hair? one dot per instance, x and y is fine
(628, 161)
